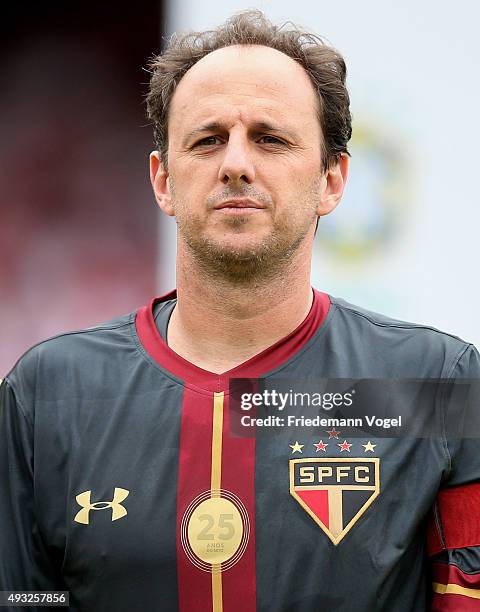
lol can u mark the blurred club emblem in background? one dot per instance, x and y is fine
(375, 198)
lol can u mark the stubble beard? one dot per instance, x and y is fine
(265, 260)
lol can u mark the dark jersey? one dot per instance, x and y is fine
(124, 478)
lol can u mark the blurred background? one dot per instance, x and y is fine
(78, 231)
(81, 240)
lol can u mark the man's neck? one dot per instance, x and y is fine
(218, 326)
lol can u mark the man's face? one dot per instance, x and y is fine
(244, 160)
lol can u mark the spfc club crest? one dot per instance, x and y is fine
(335, 492)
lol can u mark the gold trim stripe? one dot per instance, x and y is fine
(216, 477)
(215, 486)
(217, 597)
(455, 589)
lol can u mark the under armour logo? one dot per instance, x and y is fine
(118, 511)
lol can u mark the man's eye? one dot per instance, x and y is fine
(209, 140)
(271, 140)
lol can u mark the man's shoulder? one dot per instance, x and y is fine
(371, 318)
(379, 337)
(58, 359)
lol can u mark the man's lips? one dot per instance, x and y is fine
(239, 203)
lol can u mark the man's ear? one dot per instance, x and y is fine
(160, 183)
(333, 184)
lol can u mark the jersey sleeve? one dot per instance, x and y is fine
(24, 559)
(454, 523)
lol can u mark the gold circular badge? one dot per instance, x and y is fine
(215, 530)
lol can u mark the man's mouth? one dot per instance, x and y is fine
(239, 206)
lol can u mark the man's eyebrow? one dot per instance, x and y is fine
(207, 127)
(264, 126)
(258, 126)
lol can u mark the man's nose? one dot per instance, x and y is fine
(237, 165)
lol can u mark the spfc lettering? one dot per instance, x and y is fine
(335, 492)
(334, 473)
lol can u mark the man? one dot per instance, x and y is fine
(125, 476)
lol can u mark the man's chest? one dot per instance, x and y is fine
(161, 491)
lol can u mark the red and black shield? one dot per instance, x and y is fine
(335, 492)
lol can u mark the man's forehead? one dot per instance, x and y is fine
(236, 57)
(250, 74)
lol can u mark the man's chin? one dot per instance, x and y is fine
(239, 253)
(240, 264)
(234, 248)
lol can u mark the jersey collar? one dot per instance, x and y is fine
(258, 365)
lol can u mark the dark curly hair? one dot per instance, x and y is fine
(323, 64)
